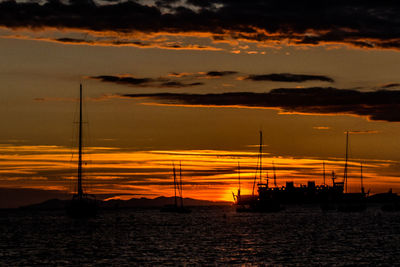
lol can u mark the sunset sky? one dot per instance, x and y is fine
(195, 81)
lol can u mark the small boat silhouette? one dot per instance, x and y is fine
(177, 187)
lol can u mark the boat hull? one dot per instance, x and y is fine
(82, 208)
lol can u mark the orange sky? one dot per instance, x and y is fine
(207, 174)
(132, 142)
(41, 103)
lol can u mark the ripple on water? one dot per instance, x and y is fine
(296, 236)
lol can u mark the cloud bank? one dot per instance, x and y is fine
(288, 77)
(185, 79)
(376, 105)
(363, 24)
(144, 82)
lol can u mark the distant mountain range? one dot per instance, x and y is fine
(18, 197)
(11, 198)
(56, 204)
(159, 202)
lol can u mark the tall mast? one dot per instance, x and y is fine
(80, 191)
(239, 177)
(345, 165)
(180, 176)
(261, 144)
(273, 167)
(323, 166)
(362, 185)
(259, 164)
(175, 200)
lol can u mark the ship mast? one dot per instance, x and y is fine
(345, 165)
(180, 176)
(273, 167)
(239, 178)
(80, 191)
(261, 144)
(259, 164)
(323, 166)
(175, 200)
(362, 185)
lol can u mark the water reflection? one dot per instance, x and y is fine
(303, 236)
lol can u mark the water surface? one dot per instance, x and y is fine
(207, 236)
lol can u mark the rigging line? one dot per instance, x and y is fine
(80, 191)
(255, 175)
(362, 184)
(74, 130)
(239, 174)
(345, 166)
(88, 141)
(259, 162)
(261, 144)
(73, 139)
(180, 176)
(273, 167)
(175, 199)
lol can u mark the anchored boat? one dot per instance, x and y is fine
(266, 200)
(82, 204)
(177, 187)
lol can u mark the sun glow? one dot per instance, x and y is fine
(206, 174)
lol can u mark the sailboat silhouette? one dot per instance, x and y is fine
(352, 202)
(177, 187)
(82, 205)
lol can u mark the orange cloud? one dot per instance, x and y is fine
(207, 174)
(321, 127)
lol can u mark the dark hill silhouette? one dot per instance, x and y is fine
(57, 204)
(159, 202)
(17, 197)
(51, 204)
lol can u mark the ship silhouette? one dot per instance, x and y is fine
(266, 200)
(82, 204)
(349, 202)
(177, 207)
(269, 198)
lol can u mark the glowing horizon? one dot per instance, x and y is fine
(206, 174)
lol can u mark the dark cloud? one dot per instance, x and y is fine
(274, 77)
(144, 82)
(288, 77)
(377, 105)
(391, 85)
(209, 74)
(200, 3)
(366, 24)
(68, 40)
(117, 42)
(179, 84)
(179, 79)
(166, 3)
(220, 73)
(124, 80)
(71, 40)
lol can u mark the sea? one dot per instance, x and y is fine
(209, 236)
